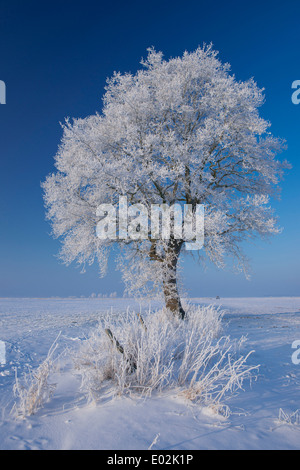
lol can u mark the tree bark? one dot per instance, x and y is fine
(172, 298)
(170, 289)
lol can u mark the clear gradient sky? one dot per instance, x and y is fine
(55, 57)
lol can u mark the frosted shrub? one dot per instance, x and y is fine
(160, 352)
(216, 374)
(146, 363)
(34, 390)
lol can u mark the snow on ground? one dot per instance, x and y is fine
(28, 327)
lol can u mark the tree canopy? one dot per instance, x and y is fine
(184, 131)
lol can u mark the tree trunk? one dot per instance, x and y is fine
(172, 298)
(170, 260)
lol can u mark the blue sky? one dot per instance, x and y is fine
(55, 58)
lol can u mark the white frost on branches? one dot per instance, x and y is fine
(183, 130)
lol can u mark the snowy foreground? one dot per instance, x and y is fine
(266, 415)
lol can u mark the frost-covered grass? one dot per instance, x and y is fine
(264, 416)
(33, 390)
(292, 419)
(137, 355)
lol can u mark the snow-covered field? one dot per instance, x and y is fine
(264, 416)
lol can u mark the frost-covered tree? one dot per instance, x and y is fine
(180, 131)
